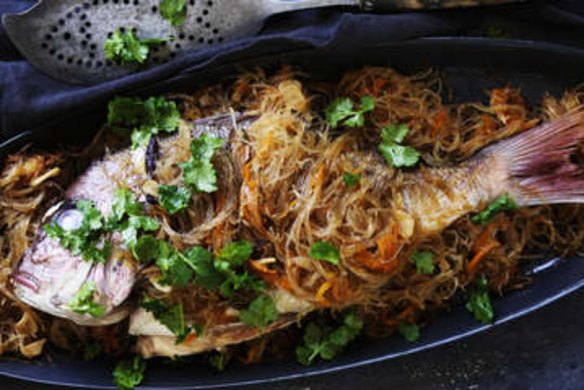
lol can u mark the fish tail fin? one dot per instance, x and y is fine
(543, 165)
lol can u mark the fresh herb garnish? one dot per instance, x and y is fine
(395, 154)
(171, 316)
(229, 263)
(175, 270)
(410, 332)
(125, 48)
(502, 203)
(85, 240)
(199, 172)
(424, 262)
(260, 313)
(174, 199)
(218, 361)
(479, 303)
(175, 11)
(129, 373)
(325, 251)
(90, 239)
(91, 350)
(202, 262)
(341, 112)
(325, 342)
(351, 179)
(143, 118)
(83, 302)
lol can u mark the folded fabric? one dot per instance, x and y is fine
(32, 101)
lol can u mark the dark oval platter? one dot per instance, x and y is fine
(469, 67)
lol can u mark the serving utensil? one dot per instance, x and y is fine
(65, 39)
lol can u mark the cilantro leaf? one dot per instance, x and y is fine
(175, 11)
(410, 332)
(395, 154)
(175, 270)
(129, 373)
(143, 118)
(125, 48)
(84, 241)
(201, 261)
(236, 253)
(501, 204)
(351, 179)
(174, 199)
(83, 302)
(171, 316)
(479, 303)
(148, 248)
(199, 173)
(218, 361)
(91, 350)
(260, 313)
(326, 252)
(125, 203)
(341, 112)
(424, 262)
(326, 342)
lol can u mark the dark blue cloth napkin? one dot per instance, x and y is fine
(31, 101)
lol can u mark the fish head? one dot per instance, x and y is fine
(49, 276)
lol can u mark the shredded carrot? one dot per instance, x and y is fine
(440, 120)
(374, 263)
(406, 313)
(190, 337)
(321, 292)
(484, 244)
(388, 243)
(270, 276)
(378, 84)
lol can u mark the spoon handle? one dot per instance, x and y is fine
(396, 5)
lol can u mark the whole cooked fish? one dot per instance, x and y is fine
(534, 167)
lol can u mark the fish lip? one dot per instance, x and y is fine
(26, 279)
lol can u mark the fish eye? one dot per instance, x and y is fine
(70, 219)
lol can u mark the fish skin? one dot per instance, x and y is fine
(48, 276)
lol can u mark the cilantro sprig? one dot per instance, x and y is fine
(325, 342)
(173, 198)
(424, 262)
(199, 173)
(396, 154)
(341, 112)
(171, 316)
(479, 302)
(325, 251)
(410, 332)
(86, 240)
(260, 313)
(91, 239)
(503, 203)
(129, 373)
(83, 302)
(125, 48)
(175, 11)
(143, 118)
(351, 179)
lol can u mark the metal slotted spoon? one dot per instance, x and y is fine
(65, 38)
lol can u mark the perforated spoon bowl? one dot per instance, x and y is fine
(65, 38)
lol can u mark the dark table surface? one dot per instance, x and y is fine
(543, 350)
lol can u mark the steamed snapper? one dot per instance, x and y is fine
(240, 221)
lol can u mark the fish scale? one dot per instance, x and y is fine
(65, 38)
